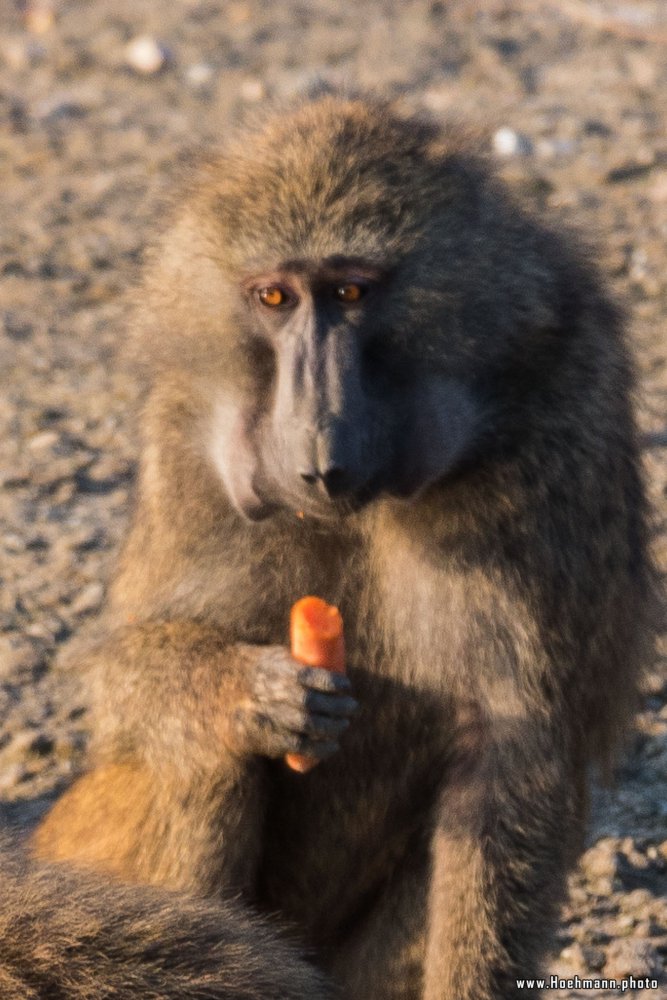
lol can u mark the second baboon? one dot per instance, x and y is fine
(376, 378)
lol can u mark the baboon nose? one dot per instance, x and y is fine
(336, 481)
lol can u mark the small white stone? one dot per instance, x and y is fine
(13, 543)
(11, 775)
(439, 99)
(43, 440)
(507, 142)
(89, 599)
(199, 74)
(145, 55)
(40, 630)
(253, 90)
(549, 149)
(15, 54)
(573, 957)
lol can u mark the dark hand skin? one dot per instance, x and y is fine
(289, 708)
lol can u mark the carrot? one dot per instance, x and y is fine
(316, 639)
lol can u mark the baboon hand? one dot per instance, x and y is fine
(288, 707)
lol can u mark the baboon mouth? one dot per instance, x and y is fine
(339, 508)
(254, 504)
(258, 511)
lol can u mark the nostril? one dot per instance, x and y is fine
(335, 481)
(309, 477)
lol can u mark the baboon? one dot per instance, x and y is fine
(375, 377)
(68, 936)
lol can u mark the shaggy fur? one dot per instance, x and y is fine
(64, 936)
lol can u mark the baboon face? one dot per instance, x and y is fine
(360, 305)
(340, 387)
(339, 413)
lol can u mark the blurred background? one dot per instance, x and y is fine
(101, 104)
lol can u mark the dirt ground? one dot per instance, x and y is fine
(573, 96)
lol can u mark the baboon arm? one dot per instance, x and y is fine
(185, 719)
(183, 697)
(499, 858)
(165, 774)
(165, 692)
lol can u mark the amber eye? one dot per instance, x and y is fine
(272, 296)
(351, 292)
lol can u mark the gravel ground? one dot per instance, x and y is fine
(99, 105)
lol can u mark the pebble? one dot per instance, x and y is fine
(145, 55)
(50, 473)
(626, 922)
(439, 99)
(16, 54)
(508, 142)
(600, 864)
(17, 326)
(239, 13)
(638, 264)
(13, 543)
(659, 186)
(199, 74)
(637, 899)
(18, 744)
(19, 658)
(573, 957)
(643, 273)
(551, 149)
(631, 957)
(42, 441)
(39, 17)
(88, 600)
(594, 958)
(643, 69)
(654, 682)
(85, 539)
(12, 478)
(11, 775)
(653, 855)
(44, 631)
(104, 475)
(54, 110)
(252, 90)
(62, 492)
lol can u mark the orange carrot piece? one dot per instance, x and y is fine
(316, 639)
